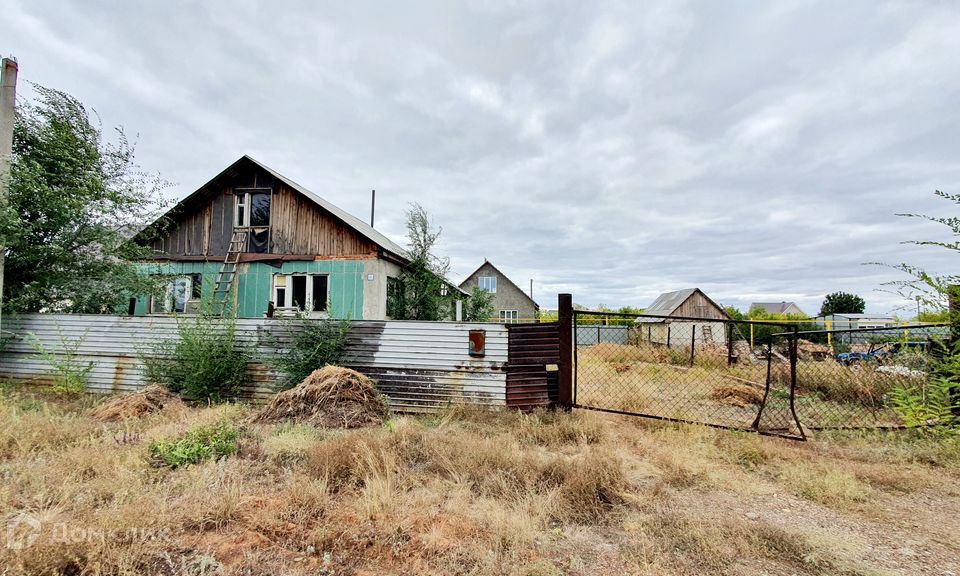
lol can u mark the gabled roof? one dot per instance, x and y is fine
(502, 275)
(774, 307)
(359, 226)
(668, 302)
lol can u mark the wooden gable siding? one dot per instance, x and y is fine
(298, 227)
(698, 306)
(301, 227)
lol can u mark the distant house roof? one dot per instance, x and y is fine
(855, 316)
(350, 220)
(502, 275)
(775, 307)
(668, 302)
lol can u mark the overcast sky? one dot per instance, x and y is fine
(757, 150)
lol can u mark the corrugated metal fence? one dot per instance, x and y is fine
(419, 366)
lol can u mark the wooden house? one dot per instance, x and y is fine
(261, 242)
(681, 317)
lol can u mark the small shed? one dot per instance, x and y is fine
(681, 317)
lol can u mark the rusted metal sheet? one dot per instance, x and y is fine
(533, 359)
(419, 366)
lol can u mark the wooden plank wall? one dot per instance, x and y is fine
(300, 227)
(697, 306)
(419, 366)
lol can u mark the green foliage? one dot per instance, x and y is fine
(418, 294)
(922, 286)
(934, 316)
(197, 444)
(205, 362)
(779, 323)
(601, 316)
(74, 201)
(70, 374)
(934, 404)
(307, 346)
(479, 306)
(842, 303)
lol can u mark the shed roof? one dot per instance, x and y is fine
(668, 302)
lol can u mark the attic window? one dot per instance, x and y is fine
(488, 283)
(252, 208)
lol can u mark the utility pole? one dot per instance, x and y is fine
(8, 104)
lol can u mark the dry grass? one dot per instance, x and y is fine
(468, 492)
(331, 397)
(153, 398)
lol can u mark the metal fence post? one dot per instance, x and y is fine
(953, 297)
(793, 346)
(730, 344)
(693, 342)
(565, 379)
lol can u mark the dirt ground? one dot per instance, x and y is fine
(469, 493)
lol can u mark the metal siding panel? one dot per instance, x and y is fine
(419, 366)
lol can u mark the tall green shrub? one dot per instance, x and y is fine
(304, 345)
(205, 362)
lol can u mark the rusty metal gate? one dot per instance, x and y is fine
(533, 360)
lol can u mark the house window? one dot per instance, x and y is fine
(489, 283)
(252, 208)
(178, 295)
(305, 292)
(509, 316)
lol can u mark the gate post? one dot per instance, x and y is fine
(565, 379)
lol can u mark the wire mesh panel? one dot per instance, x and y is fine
(760, 376)
(852, 378)
(703, 370)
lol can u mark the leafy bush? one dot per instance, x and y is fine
(933, 404)
(197, 445)
(312, 344)
(69, 373)
(205, 363)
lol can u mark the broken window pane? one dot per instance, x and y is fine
(319, 293)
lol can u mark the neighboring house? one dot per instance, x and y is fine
(857, 321)
(666, 321)
(510, 303)
(285, 247)
(790, 308)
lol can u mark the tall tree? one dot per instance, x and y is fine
(421, 292)
(842, 303)
(74, 201)
(479, 306)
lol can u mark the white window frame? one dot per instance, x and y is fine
(241, 201)
(488, 282)
(510, 316)
(287, 287)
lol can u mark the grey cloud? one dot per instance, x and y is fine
(616, 149)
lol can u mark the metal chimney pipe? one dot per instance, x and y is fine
(373, 204)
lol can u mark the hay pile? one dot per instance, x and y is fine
(153, 398)
(331, 397)
(742, 396)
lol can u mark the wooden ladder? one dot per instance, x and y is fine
(223, 285)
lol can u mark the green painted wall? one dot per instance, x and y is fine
(254, 280)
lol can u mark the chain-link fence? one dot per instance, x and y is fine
(853, 378)
(761, 376)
